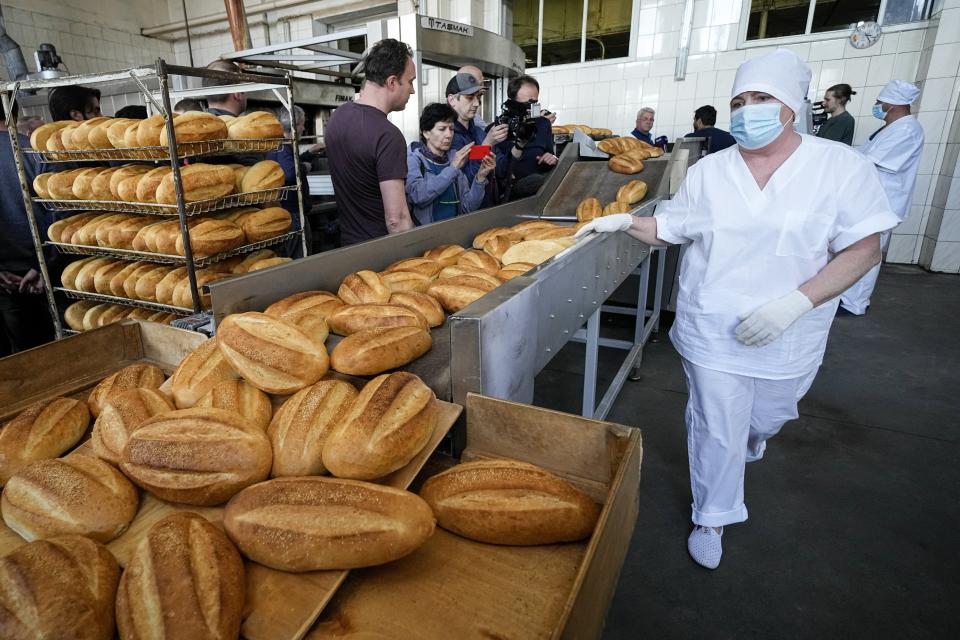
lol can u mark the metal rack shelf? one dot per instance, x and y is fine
(184, 150)
(191, 208)
(162, 258)
(73, 294)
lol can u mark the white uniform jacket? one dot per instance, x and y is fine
(748, 247)
(895, 150)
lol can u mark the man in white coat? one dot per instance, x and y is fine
(895, 149)
(776, 228)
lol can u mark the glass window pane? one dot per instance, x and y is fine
(526, 16)
(776, 18)
(837, 15)
(901, 11)
(562, 27)
(608, 29)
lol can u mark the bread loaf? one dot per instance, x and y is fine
(130, 140)
(82, 183)
(446, 254)
(130, 284)
(588, 209)
(256, 125)
(552, 233)
(533, 251)
(83, 279)
(134, 376)
(629, 162)
(184, 580)
(182, 295)
(270, 353)
(199, 372)
(121, 236)
(113, 313)
(195, 126)
(405, 281)
(45, 429)
(210, 237)
(266, 174)
(632, 192)
(326, 523)
(80, 138)
(63, 587)
(616, 207)
(353, 318)
(458, 292)
(199, 456)
(388, 424)
(55, 141)
(91, 318)
(64, 230)
(425, 305)
(240, 397)
(615, 146)
(457, 270)
(85, 228)
(509, 502)
(363, 287)
(146, 287)
(303, 309)
(251, 259)
(482, 237)
(368, 353)
(302, 424)
(103, 276)
(199, 181)
(124, 173)
(511, 271)
(40, 135)
(423, 266)
(266, 223)
(116, 130)
(497, 246)
(78, 494)
(148, 133)
(75, 312)
(479, 260)
(60, 185)
(150, 182)
(121, 414)
(40, 185)
(523, 228)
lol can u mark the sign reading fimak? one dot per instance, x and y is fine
(445, 25)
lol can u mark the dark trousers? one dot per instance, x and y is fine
(24, 322)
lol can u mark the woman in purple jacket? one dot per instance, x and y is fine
(436, 185)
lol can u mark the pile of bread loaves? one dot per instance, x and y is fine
(209, 435)
(628, 153)
(85, 315)
(627, 196)
(210, 234)
(101, 137)
(150, 282)
(149, 185)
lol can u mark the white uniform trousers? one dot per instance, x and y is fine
(729, 420)
(856, 299)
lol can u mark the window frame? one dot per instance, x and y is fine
(631, 53)
(743, 43)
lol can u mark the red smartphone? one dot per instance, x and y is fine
(479, 151)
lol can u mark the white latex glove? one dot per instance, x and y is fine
(765, 324)
(606, 224)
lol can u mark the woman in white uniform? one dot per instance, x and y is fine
(895, 149)
(776, 227)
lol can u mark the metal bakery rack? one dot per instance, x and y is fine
(155, 84)
(498, 344)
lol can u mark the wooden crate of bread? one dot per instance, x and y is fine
(278, 604)
(453, 587)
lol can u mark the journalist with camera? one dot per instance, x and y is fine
(529, 143)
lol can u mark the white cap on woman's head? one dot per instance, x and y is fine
(781, 73)
(899, 92)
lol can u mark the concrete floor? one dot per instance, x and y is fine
(854, 528)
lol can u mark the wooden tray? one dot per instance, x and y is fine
(456, 588)
(279, 605)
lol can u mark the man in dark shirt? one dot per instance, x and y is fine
(367, 153)
(464, 93)
(644, 125)
(704, 120)
(24, 317)
(530, 160)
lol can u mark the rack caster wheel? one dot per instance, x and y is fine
(634, 374)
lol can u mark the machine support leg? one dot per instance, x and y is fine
(590, 365)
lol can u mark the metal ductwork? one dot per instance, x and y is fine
(239, 30)
(12, 55)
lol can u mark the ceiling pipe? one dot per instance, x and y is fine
(237, 19)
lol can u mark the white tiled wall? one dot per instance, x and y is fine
(89, 36)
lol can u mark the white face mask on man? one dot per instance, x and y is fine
(754, 126)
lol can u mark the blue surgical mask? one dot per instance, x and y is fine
(756, 125)
(878, 112)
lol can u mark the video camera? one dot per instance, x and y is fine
(521, 119)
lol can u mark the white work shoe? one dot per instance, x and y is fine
(704, 546)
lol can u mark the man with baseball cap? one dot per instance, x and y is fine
(464, 93)
(895, 149)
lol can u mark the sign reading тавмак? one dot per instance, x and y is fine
(445, 25)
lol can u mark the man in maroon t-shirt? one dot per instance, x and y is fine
(367, 153)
